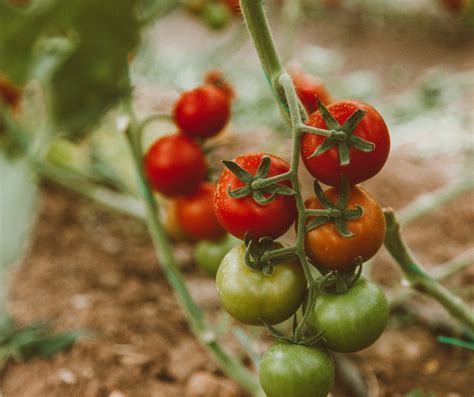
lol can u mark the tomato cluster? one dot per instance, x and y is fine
(348, 143)
(177, 168)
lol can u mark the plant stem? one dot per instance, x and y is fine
(231, 366)
(419, 279)
(432, 200)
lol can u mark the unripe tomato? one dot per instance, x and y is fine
(296, 371)
(353, 320)
(238, 216)
(310, 91)
(175, 165)
(195, 214)
(209, 254)
(202, 112)
(327, 248)
(249, 295)
(326, 167)
(216, 16)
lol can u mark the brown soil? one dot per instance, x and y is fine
(92, 269)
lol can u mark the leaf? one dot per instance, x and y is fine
(18, 199)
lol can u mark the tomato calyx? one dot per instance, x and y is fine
(337, 213)
(263, 190)
(340, 135)
(310, 341)
(338, 282)
(264, 254)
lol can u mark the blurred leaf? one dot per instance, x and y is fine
(418, 392)
(93, 40)
(18, 197)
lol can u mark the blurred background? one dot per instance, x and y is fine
(88, 267)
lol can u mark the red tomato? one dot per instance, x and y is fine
(455, 5)
(234, 5)
(327, 248)
(9, 93)
(175, 165)
(202, 112)
(216, 78)
(326, 166)
(310, 91)
(196, 215)
(238, 216)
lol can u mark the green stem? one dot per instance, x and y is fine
(419, 279)
(231, 366)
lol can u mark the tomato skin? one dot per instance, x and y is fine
(202, 112)
(310, 91)
(328, 249)
(248, 295)
(234, 6)
(326, 166)
(455, 5)
(9, 94)
(172, 226)
(352, 321)
(195, 214)
(175, 165)
(209, 254)
(239, 215)
(296, 371)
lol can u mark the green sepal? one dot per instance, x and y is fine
(361, 144)
(328, 144)
(238, 171)
(263, 168)
(352, 122)
(317, 222)
(318, 191)
(260, 199)
(353, 214)
(344, 157)
(344, 190)
(238, 193)
(330, 121)
(341, 228)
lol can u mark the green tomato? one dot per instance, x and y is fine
(249, 295)
(209, 254)
(353, 320)
(296, 371)
(216, 15)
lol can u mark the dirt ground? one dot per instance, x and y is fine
(92, 269)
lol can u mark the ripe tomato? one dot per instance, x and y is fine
(310, 91)
(216, 78)
(175, 165)
(234, 5)
(249, 295)
(195, 214)
(209, 254)
(455, 5)
(327, 248)
(238, 216)
(296, 371)
(353, 320)
(172, 226)
(202, 112)
(9, 94)
(326, 166)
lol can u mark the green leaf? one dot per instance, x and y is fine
(18, 199)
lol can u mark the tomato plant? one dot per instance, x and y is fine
(333, 251)
(251, 296)
(352, 320)
(208, 254)
(310, 91)
(195, 214)
(241, 215)
(296, 371)
(202, 112)
(175, 165)
(360, 160)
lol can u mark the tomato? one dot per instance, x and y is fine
(238, 216)
(327, 248)
(175, 165)
(234, 6)
(216, 15)
(202, 112)
(249, 295)
(326, 166)
(195, 214)
(9, 94)
(172, 226)
(296, 371)
(310, 91)
(209, 254)
(353, 320)
(216, 78)
(455, 5)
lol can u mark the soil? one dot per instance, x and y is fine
(92, 269)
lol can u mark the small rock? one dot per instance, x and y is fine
(205, 384)
(81, 302)
(116, 393)
(67, 376)
(186, 358)
(431, 367)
